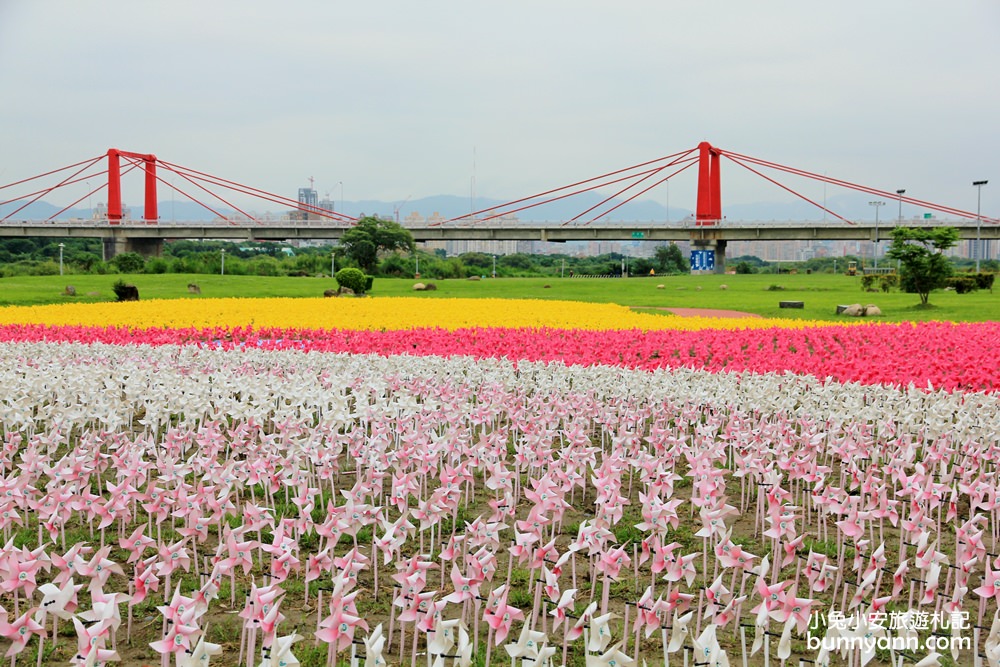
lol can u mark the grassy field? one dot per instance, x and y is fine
(758, 294)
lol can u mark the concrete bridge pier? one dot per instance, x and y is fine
(147, 247)
(717, 247)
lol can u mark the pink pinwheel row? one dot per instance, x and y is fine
(942, 355)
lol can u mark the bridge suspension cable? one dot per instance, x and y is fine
(69, 179)
(679, 155)
(847, 184)
(254, 192)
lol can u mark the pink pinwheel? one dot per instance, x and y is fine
(682, 568)
(559, 612)
(136, 544)
(731, 555)
(724, 617)
(318, 564)
(646, 613)
(714, 520)
(791, 549)
(499, 615)
(19, 573)
(90, 643)
(171, 557)
(338, 628)
(145, 580)
(991, 584)
(67, 563)
(613, 560)
(714, 595)
(431, 610)
(796, 610)
(466, 588)
(99, 569)
(773, 597)
(238, 554)
(19, 632)
(819, 573)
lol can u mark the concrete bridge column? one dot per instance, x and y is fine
(718, 249)
(720, 257)
(147, 247)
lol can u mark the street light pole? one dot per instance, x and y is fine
(979, 221)
(877, 205)
(222, 254)
(333, 263)
(494, 266)
(61, 246)
(900, 193)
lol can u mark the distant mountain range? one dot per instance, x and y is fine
(850, 206)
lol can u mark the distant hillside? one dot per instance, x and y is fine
(853, 206)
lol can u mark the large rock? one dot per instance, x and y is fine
(871, 310)
(419, 287)
(193, 288)
(473, 278)
(854, 310)
(661, 287)
(70, 290)
(331, 293)
(431, 287)
(347, 291)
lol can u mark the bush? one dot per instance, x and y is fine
(157, 265)
(129, 262)
(123, 292)
(369, 280)
(888, 282)
(353, 279)
(868, 281)
(963, 284)
(985, 280)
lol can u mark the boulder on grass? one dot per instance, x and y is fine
(473, 278)
(419, 287)
(70, 290)
(871, 310)
(854, 310)
(193, 288)
(661, 287)
(431, 287)
(330, 293)
(723, 287)
(346, 291)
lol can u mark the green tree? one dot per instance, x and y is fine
(372, 235)
(670, 259)
(920, 252)
(352, 279)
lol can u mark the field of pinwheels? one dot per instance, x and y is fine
(380, 481)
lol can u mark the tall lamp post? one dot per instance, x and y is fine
(900, 193)
(979, 221)
(333, 263)
(222, 254)
(494, 266)
(877, 205)
(61, 246)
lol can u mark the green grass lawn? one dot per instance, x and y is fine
(749, 293)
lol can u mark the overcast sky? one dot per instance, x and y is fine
(393, 99)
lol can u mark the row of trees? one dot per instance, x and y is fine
(384, 248)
